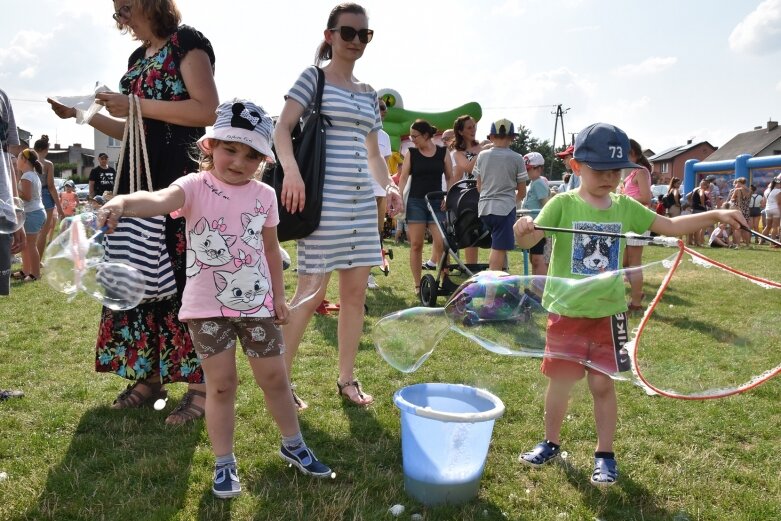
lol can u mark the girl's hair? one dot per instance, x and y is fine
(42, 144)
(323, 52)
(31, 156)
(674, 182)
(206, 159)
(458, 127)
(424, 127)
(163, 15)
(635, 147)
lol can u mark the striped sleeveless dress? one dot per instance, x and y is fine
(347, 236)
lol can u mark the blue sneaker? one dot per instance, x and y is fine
(305, 460)
(226, 482)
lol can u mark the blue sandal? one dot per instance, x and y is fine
(541, 454)
(605, 472)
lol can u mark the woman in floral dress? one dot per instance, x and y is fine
(172, 72)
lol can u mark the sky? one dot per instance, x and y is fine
(665, 71)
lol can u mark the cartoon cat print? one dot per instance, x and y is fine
(245, 292)
(253, 226)
(208, 248)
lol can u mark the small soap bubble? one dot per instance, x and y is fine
(333, 475)
(396, 510)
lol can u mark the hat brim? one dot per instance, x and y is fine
(563, 154)
(611, 165)
(238, 135)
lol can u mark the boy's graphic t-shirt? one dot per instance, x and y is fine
(579, 256)
(227, 272)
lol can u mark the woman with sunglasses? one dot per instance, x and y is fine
(347, 240)
(172, 73)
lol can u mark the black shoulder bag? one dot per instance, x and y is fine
(309, 151)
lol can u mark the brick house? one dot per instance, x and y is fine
(670, 163)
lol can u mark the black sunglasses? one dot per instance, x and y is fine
(122, 14)
(348, 33)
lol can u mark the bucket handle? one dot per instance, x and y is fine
(462, 417)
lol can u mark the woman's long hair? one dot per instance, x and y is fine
(635, 147)
(458, 127)
(32, 156)
(324, 51)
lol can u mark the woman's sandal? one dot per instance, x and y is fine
(131, 398)
(300, 404)
(30, 278)
(359, 394)
(605, 472)
(186, 410)
(18, 275)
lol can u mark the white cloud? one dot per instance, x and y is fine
(760, 31)
(778, 86)
(653, 65)
(509, 8)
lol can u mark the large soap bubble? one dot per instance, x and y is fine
(689, 343)
(75, 263)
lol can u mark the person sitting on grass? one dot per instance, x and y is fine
(720, 237)
(234, 287)
(592, 330)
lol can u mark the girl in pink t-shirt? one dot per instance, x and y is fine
(234, 280)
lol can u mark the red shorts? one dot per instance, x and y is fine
(576, 345)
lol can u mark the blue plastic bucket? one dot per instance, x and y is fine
(445, 433)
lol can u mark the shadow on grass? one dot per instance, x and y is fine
(119, 463)
(627, 499)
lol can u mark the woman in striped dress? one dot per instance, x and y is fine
(347, 239)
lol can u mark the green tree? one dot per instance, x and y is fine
(525, 143)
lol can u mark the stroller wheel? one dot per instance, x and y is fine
(428, 291)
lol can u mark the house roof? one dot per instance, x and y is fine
(751, 142)
(673, 152)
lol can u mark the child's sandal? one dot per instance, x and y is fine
(605, 472)
(364, 399)
(186, 411)
(18, 275)
(541, 454)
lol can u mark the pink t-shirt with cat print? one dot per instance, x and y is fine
(227, 271)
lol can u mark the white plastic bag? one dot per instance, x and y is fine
(85, 105)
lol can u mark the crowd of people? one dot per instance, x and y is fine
(189, 337)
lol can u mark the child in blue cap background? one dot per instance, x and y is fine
(591, 330)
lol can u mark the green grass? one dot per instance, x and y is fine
(68, 456)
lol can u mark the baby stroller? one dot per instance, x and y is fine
(462, 229)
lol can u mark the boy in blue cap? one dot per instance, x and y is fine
(587, 329)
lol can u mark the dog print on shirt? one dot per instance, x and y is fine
(594, 254)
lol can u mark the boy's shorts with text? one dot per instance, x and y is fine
(571, 343)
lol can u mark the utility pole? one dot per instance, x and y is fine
(559, 116)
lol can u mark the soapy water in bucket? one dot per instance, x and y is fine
(709, 331)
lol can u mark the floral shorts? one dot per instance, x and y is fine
(259, 337)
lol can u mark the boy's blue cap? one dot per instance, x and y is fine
(603, 146)
(502, 127)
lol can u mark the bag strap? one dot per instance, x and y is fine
(319, 93)
(134, 138)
